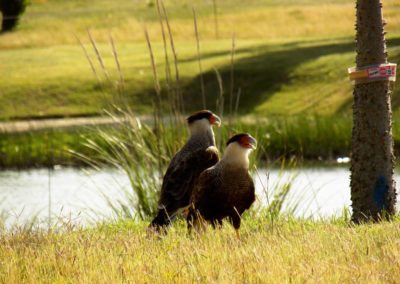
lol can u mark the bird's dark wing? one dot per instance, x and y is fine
(181, 175)
(239, 190)
(248, 193)
(206, 196)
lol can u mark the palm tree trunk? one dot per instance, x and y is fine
(372, 185)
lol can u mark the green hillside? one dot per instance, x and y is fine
(291, 57)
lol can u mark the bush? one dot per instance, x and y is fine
(11, 11)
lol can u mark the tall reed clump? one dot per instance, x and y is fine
(132, 147)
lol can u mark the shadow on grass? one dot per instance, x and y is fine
(260, 76)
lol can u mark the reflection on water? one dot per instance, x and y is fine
(73, 194)
(316, 192)
(78, 195)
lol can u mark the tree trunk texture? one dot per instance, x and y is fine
(373, 192)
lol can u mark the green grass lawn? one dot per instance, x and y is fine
(286, 251)
(291, 57)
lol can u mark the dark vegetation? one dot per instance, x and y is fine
(11, 11)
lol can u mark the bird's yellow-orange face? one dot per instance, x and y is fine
(247, 141)
(214, 120)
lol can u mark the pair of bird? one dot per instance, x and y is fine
(197, 180)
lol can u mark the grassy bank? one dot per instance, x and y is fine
(287, 251)
(43, 148)
(316, 138)
(310, 138)
(291, 58)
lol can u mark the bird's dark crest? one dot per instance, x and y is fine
(237, 137)
(199, 115)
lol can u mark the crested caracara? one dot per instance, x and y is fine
(226, 189)
(198, 154)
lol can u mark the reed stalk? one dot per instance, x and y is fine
(215, 11)
(168, 79)
(232, 83)
(157, 109)
(196, 32)
(219, 104)
(120, 85)
(179, 98)
(89, 60)
(99, 56)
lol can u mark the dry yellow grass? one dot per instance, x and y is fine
(55, 23)
(290, 251)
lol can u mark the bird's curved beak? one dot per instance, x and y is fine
(215, 120)
(250, 142)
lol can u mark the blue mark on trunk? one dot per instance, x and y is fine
(380, 191)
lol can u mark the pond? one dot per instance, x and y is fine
(82, 196)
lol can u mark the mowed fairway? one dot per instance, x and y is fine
(291, 57)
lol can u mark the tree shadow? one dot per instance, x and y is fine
(262, 75)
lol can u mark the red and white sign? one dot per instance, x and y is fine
(373, 73)
(382, 71)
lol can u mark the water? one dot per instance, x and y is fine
(78, 196)
(72, 195)
(315, 192)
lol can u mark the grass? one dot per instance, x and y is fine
(291, 58)
(288, 251)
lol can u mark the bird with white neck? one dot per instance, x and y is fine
(226, 189)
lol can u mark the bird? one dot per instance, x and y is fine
(226, 189)
(198, 154)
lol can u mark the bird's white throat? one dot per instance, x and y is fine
(236, 155)
(201, 127)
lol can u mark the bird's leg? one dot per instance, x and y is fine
(235, 221)
(237, 234)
